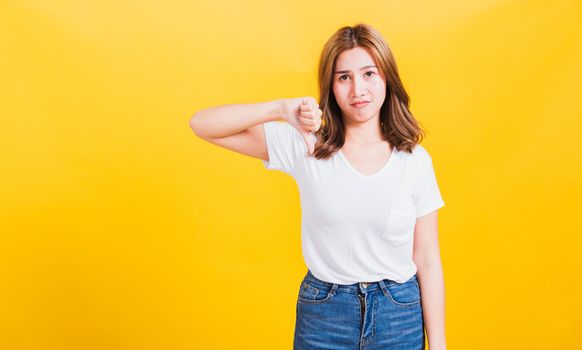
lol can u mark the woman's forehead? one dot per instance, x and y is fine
(354, 59)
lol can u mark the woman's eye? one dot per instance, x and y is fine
(345, 75)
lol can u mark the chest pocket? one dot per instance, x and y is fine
(400, 226)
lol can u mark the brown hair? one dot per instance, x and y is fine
(398, 125)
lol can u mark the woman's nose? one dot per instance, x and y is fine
(358, 87)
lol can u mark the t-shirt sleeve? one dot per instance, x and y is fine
(428, 196)
(285, 146)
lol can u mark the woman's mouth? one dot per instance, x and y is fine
(360, 104)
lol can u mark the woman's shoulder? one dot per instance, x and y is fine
(282, 127)
(287, 136)
(419, 154)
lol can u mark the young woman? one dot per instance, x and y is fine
(369, 198)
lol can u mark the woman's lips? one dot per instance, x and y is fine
(360, 105)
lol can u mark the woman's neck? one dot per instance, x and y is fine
(363, 134)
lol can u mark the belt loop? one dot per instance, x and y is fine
(333, 289)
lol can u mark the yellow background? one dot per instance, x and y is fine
(120, 229)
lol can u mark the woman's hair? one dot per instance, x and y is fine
(397, 123)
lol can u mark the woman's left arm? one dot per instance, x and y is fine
(426, 256)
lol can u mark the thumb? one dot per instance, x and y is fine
(309, 138)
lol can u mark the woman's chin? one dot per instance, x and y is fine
(361, 117)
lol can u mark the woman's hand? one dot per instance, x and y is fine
(303, 114)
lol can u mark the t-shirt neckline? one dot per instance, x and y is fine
(345, 159)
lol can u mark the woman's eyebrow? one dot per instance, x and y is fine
(347, 71)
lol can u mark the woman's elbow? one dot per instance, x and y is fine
(193, 123)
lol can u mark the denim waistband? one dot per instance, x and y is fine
(355, 287)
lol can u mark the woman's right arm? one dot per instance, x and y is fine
(238, 127)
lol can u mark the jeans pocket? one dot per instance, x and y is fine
(312, 293)
(400, 225)
(404, 294)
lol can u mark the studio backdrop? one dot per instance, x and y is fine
(121, 229)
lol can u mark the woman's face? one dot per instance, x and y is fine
(356, 78)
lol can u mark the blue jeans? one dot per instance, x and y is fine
(374, 315)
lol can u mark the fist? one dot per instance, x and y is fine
(303, 114)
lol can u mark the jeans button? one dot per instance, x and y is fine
(364, 285)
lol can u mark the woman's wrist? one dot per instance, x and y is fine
(278, 110)
(437, 346)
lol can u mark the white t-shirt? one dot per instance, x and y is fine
(355, 228)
